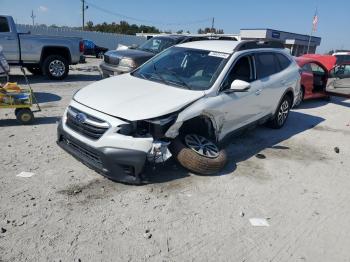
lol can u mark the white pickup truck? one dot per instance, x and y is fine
(41, 55)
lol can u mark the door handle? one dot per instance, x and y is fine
(258, 92)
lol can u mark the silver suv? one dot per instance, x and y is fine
(183, 102)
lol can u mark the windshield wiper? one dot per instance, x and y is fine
(148, 50)
(183, 82)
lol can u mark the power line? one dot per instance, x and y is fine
(146, 21)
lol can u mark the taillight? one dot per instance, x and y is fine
(81, 47)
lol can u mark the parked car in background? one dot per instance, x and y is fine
(90, 48)
(183, 102)
(342, 57)
(47, 55)
(123, 61)
(322, 78)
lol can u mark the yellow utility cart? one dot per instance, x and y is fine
(21, 99)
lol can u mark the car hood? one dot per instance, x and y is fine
(129, 53)
(132, 98)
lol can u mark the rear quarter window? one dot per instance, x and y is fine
(266, 65)
(283, 61)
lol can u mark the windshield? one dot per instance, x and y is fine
(157, 44)
(342, 58)
(185, 68)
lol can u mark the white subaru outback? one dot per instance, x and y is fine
(183, 102)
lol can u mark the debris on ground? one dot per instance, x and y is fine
(25, 174)
(337, 150)
(242, 214)
(147, 234)
(260, 156)
(259, 222)
(3, 230)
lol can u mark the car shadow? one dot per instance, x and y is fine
(43, 97)
(42, 79)
(314, 103)
(244, 146)
(37, 121)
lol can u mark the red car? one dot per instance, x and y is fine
(320, 78)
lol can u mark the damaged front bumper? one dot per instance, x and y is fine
(118, 164)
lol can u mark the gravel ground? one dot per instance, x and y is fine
(292, 177)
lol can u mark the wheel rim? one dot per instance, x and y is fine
(283, 112)
(201, 146)
(57, 68)
(26, 117)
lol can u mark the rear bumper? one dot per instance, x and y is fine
(122, 165)
(109, 70)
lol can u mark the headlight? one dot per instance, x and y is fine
(164, 120)
(126, 62)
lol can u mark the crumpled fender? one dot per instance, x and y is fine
(206, 106)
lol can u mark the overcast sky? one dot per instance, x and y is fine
(294, 16)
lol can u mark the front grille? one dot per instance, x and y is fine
(111, 60)
(83, 152)
(85, 124)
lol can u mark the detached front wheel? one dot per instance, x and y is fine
(198, 154)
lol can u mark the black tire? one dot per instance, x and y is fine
(24, 116)
(282, 112)
(37, 71)
(195, 162)
(55, 67)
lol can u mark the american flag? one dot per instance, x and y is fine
(315, 22)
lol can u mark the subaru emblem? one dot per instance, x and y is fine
(81, 118)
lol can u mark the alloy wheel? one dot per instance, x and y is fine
(202, 146)
(283, 112)
(57, 68)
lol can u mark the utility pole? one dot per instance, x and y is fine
(33, 17)
(83, 8)
(212, 25)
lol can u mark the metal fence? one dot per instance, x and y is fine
(107, 40)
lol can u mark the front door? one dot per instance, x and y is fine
(240, 108)
(338, 83)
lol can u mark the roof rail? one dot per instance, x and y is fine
(255, 44)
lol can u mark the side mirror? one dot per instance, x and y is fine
(239, 86)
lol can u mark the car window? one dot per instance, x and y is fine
(187, 68)
(4, 26)
(283, 61)
(342, 70)
(342, 58)
(307, 68)
(316, 69)
(157, 44)
(242, 70)
(266, 65)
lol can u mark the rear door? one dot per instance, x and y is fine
(338, 83)
(8, 41)
(270, 73)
